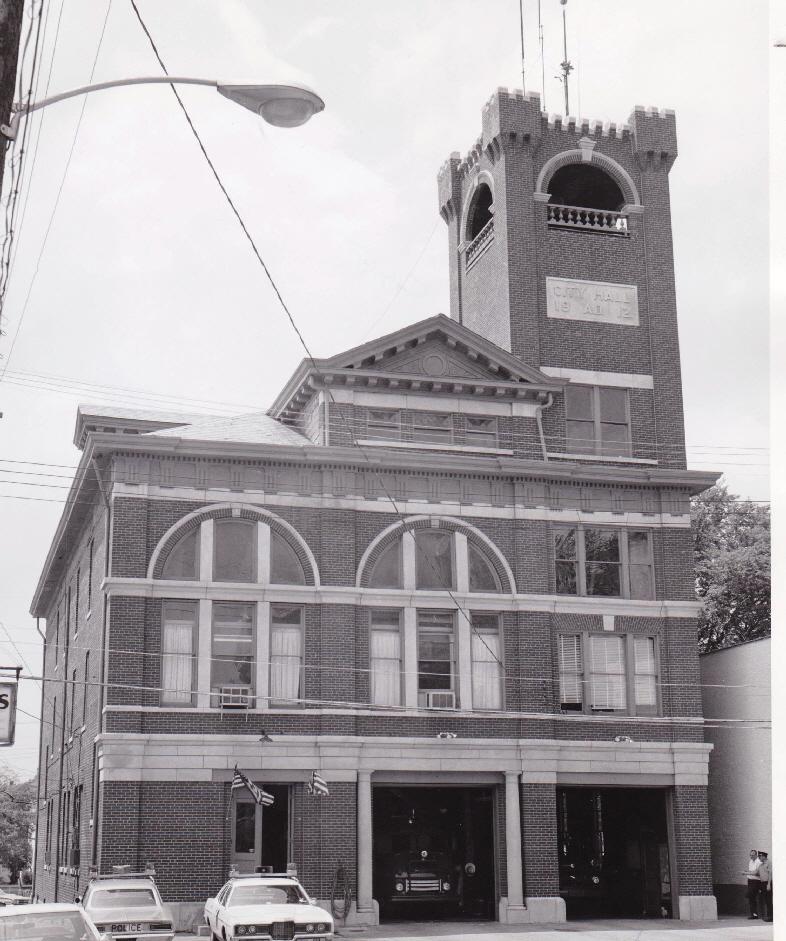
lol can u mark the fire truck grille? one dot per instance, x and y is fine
(423, 884)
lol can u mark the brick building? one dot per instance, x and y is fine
(451, 570)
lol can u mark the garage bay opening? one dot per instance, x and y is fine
(614, 852)
(434, 852)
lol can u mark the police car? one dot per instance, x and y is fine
(266, 905)
(127, 906)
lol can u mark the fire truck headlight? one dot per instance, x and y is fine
(399, 887)
(446, 887)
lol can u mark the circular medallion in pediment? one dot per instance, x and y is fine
(434, 364)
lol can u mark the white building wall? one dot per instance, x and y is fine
(736, 685)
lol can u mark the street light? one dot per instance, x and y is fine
(280, 105)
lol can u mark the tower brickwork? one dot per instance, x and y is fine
(573, 278)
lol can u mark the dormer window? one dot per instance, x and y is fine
(585, 197)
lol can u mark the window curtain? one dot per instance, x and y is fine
(385, 667)
(177, 662)
(645, 671)
(608, 672)
(285, 647)
(486, 671)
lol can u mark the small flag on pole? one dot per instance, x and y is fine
(260, 796)
(317, 786)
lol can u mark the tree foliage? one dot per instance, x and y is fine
(731, 541)
(17, 822)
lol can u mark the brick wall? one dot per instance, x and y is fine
(539, 840)
(691, 822)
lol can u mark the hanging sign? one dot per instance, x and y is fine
(7, 712)
(600, 301)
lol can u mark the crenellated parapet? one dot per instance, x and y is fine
(654, 137)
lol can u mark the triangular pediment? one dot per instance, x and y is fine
(438, 348)
(434, 358)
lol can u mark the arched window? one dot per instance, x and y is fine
(435, 564)
(285, 566)
(387, 572)
(480, 211)
(210, 648)
(482, 576)
(183, 560)
(585, 186)
(234, 551)
(236, 544)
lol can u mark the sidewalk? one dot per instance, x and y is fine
(728, 928)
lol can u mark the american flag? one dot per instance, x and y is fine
(260, 796)
(317, 786)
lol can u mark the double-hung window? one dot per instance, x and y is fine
(385, 657)
(599, 561)
(597, 421)
(384, 424)
(286, 653)
(436, 659)
(178, 653)
(601, 673)
(432, 427)
(480, 432)
(232, 665)
(486, 662)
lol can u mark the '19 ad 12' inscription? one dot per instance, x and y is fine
(570, 299)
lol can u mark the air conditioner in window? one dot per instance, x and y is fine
(235, 697)
(445, 699)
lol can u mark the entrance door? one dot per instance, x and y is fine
(246, 835)
(260, 835)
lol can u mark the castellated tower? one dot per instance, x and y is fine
(561, 252)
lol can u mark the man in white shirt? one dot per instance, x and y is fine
(754, 884)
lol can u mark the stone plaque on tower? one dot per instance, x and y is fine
(572, 299)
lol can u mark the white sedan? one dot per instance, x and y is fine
(275, 907)
(56, 921)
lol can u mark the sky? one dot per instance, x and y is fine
(133, 284)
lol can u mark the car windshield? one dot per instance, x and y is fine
(266, 895)
(45, 926)
(121, 898)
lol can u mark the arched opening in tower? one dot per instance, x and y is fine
(480, 211)
(585, 186)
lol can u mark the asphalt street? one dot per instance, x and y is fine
(724, 929)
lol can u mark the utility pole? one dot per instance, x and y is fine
(10, 30)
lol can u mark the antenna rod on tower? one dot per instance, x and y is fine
(542, 61)
(521, 23)
(565, 65)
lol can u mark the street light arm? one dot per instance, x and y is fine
(21, 110)
(274, 103)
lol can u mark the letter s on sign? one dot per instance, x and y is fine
(4, 701)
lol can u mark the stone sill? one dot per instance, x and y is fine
(599, 457)
(419, 446)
